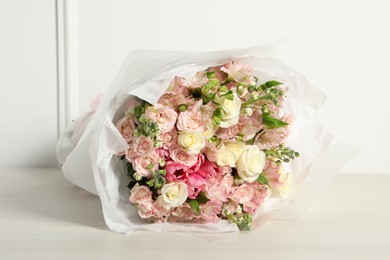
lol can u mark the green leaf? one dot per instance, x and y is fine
(194, 205)
(209, 85)
(230, 96)
(262, 179)
(138, 111)
(202, 198)
(208, 98)
(272, 122)
(216, 121)
(223, 88)
(270, 84)
(210, 74)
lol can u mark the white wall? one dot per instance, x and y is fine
(28, 98)
(341, 46)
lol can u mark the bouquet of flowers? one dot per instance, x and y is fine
(196, 141)
(211, 148)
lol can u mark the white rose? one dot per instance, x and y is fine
(232, 110)
(193, 143)
(210, 130)
(226, 157)
(251, 163)
(236, 148)
(173, 194)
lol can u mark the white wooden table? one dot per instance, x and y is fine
(42, 216)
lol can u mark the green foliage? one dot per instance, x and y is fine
(272, 122)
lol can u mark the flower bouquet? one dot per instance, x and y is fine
(203, 141)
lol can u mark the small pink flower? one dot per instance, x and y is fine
(145, 211)
(230, 208)
(243, 193)
(168, 139)
(220, 75)
(208, 169)
(198, 80)
(210, 210)
(191, 119)
(143, 145)
(140, 194)
(126, 127)
(145, 164)
(164, 116)
(228, 134)
(211, 151)
(250, 126)
(271, 172)
(261, 192)
(176, 171)
(215, 190)
(179, 155)
(238, 72)
(250, 207)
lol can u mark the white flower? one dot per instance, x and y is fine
(237, 148)
(232, 110)
(251, 163)
(193, 143)
(226, 157)
(173, 194)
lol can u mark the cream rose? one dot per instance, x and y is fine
(225, 157)
(232, 110)
(236, 148)
(251, 163)
(174, 194)
(193, 143)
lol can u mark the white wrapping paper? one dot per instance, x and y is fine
(90, 162)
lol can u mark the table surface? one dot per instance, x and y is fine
(45, 217)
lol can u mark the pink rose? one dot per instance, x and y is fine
(145, 211)
(195, 184)
(176, 171)
(168, 139)
(159, 210)
(164, 116)
(208, 169)
(210, 210)
(143, 145)
(140, 194)
(243, 193)
(179, 155)
(146, 164)
(192, 119)
(182, 214)
(126, 126)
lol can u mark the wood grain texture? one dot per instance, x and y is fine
(45, 217)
